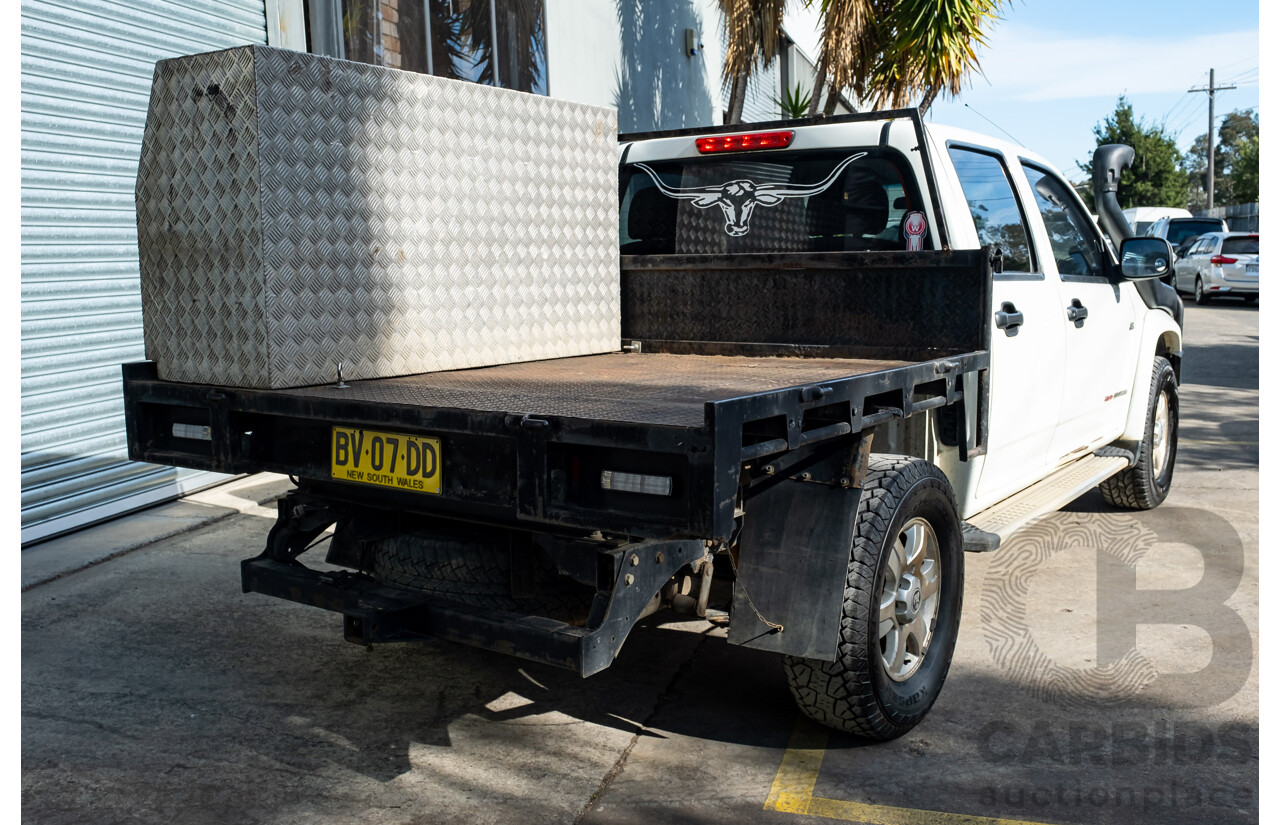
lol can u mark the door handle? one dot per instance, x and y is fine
(1008, 319)
(1077, 312)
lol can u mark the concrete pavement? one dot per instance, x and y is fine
(155, 691)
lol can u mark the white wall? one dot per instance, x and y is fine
(804, 26)
(584, 51)
(629, 54)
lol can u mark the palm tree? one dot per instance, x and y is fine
(849, 43)
(753, 29)
(891, 51)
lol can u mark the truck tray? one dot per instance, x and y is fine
(740, 358)
(659, 389)
(527, 443)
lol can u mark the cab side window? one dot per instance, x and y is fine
(1074, 245)
(996, 213)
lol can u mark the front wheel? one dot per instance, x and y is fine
(1146, 484)
(901, 613)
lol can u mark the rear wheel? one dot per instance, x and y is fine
(901, 612)
(1146, 484)
(1202, 297)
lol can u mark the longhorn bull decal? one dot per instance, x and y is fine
(739, 198)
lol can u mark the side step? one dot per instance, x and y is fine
(986, 530)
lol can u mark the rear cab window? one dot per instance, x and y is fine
(1240, 245)
(1180, 229)
(848, 199)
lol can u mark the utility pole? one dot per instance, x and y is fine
(1211, 89)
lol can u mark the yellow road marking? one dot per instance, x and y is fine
(792, 791)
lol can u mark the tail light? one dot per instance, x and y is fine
(1219, 260)
(742, 143)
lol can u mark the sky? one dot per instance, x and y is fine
(1053, 69)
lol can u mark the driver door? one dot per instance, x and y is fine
(1098, 315)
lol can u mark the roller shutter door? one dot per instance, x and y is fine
(86, 75)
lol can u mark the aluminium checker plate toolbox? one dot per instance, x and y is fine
(296, 212)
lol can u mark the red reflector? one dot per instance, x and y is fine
(742, 143)
(1219, 260)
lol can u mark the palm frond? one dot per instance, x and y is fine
(753, 31)
(891, 51)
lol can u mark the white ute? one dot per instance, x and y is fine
(850, 350)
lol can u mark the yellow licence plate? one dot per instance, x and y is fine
(405, 462)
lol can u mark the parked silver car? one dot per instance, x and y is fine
(1219, 263)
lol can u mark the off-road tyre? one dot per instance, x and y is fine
(1141, 487)
(855, 693)
(472, 565)
(1202, 296)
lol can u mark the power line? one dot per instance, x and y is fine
(1190, 117)
(1241, 60)
(1178, 104)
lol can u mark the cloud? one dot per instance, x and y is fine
(1029, 64)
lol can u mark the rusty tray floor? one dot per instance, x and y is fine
(651, 388)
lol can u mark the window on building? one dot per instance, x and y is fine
(360, 30)
(495, 42)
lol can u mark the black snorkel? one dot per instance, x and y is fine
(1108, 162)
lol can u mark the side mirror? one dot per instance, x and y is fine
(1142, 258)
